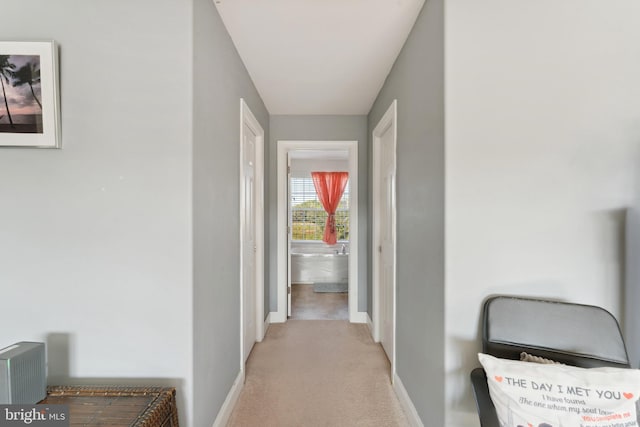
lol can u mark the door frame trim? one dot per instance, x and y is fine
(247, 117)
(389, 119)
(283, 148)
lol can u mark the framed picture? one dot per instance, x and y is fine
(29, 100)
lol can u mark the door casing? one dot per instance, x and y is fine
(283, 149)
(247, 118)
(388, 122)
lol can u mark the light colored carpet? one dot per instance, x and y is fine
(317, 373)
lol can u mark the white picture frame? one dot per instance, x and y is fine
(29, 94)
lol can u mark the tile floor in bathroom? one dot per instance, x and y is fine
(309, 305)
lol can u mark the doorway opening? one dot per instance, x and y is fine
(316, 279)
(318, 213)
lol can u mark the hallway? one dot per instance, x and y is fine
(317, 373)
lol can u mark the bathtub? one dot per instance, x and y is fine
(312, 263)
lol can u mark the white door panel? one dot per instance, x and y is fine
(289, 235)
(386, 233)
(249, 237)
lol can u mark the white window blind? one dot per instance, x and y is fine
(308, 217)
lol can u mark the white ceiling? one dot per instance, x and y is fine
(318, 56)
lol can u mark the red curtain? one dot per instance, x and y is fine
(329, 187)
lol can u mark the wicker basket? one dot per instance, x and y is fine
(117, 406)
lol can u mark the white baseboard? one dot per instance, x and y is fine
(264, 328)
(267, 322)
(370, 324)
(277, 317)
(359, 317)
(230, 402)
(406, 403)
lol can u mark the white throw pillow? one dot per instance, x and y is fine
(538, 395)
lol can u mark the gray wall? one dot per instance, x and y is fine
(220, 80)
(95, 246)
(417, 82)
(543, 149)
(630, 316)
(317, 128)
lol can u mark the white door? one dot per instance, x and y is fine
(386, 248)
(384, 233)
(289, 235)
(249, 237)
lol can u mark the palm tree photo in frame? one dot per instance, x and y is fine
(29, 103)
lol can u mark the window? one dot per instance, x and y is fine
(308, 217)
